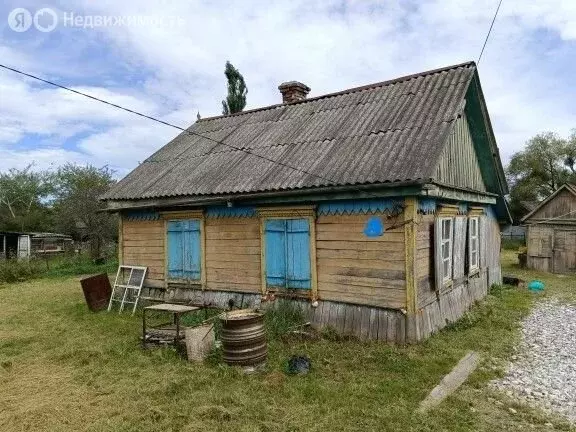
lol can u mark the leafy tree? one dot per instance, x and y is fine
(545, 164)
(237, 90)
(77, 208)
(24, 200)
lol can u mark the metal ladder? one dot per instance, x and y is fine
(127, 286)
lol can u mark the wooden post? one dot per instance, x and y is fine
(120, 239)
(410, 215)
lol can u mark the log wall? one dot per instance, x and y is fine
(142, 243)
(233, 254)
(358, 269)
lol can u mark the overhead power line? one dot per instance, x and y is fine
(166, 123)
(489, 31)
(155, 119)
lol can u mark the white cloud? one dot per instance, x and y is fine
(330, 45)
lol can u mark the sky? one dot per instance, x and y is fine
(166, 58)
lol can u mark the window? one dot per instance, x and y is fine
(184, 249)
(473, 245)
(287, 248)
(446, 248)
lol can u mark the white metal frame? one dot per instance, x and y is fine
(447, 275)
(126, 287)
(473, 221)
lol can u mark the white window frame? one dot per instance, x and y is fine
(447, 275)
(473, 266)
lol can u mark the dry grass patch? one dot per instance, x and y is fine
(63, 368)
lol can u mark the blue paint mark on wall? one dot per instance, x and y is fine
(368, 206)
(287, 243)
(184, 252)
(225, 212)
(374, 227)
(427, 206)
(142, 215)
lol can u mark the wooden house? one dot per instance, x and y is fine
(376, 208)
(551, 238)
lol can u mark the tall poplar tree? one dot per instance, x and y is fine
(237, 90)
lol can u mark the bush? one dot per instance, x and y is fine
(15, 270)
(19, 270)
(513, 244)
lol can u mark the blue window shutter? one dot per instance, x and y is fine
(298, 253)
(184, 254)
(275, 236)
(192, 252)
(175, 250)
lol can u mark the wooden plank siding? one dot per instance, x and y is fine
(354, 268)
(143, 245)
(425, 260)
(562, 208)
(233, 254)
(458, 165)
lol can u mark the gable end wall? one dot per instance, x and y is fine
(459, 164)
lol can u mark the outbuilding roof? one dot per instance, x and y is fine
(388, 132)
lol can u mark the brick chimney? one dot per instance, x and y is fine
(293, 91)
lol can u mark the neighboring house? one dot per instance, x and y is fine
(27, 244)
(513, 232)
(376, 207)
(552, 232)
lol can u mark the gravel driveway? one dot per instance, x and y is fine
(543, 372)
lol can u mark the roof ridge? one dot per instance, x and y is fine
(346, 91)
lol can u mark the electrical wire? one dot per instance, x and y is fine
(155, 119)
(169, 124)
(489, 31)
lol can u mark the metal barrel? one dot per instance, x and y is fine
(243, 337)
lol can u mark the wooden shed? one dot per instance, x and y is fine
(376, 208)
(551, 237)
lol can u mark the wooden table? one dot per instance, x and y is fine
(177, 311)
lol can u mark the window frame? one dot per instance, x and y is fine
(447, 275)
(178, 216)
(473, 267)
(303, 212)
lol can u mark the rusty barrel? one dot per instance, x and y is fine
(97, 291)
(243, 337)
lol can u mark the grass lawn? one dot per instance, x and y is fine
(63, 368)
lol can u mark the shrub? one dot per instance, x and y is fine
(19, 270)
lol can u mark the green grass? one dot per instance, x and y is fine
(558, 286)
(63, 368)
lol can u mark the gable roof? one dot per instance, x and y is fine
(388, 132)
(566, 186)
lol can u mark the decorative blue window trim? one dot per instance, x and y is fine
(142, 215)
(368, 206)
(230, 212)
(427, 206)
